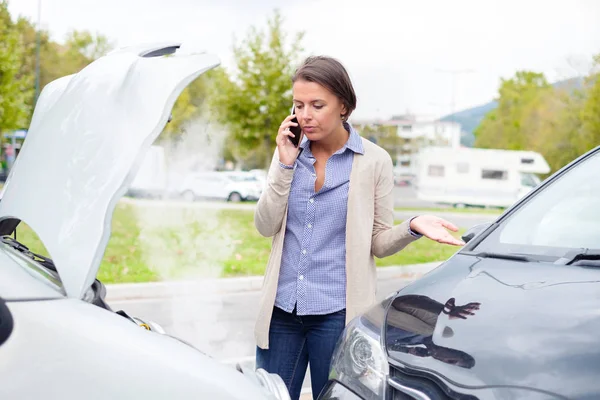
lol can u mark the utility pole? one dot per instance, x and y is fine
(37, 52)
(454, 73)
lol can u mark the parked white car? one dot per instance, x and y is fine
(58, 340)
(230, 186)
(261, 175)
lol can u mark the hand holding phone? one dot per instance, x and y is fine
(288, 139)
(296, 130)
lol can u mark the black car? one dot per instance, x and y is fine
(515, 314)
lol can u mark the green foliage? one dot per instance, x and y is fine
(559, 123)
(80, 49)
(503, 126)
(256, 97)
(250, 101)
(56, 60)
(590, 112)
(385, 136)
(15, 85)
(50, 62)
(192, 103)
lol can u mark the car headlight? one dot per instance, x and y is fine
(149, 325)
(272, 383)
(359, 361)
(146, 324)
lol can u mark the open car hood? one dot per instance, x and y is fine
(87, 138)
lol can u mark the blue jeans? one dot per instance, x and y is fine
(296, 341)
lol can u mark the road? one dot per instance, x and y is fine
(405, 197)
(222, 326)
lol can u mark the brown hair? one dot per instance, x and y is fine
(331, 74)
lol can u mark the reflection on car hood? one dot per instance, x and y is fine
(88, 135)
(533, 325)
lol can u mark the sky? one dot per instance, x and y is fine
(403, 56)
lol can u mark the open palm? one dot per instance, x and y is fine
(436, 228)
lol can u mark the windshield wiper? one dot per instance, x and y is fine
(504, 256)
(581, 257)
(21, 248)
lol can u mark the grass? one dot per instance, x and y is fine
(252, 250)
(420, 251)
(123, 260)
(156, 243)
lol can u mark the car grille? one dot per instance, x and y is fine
(404, 386)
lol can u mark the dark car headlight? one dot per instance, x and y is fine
(359, 361)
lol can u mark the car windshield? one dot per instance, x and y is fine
(563, 216)
(529, 180)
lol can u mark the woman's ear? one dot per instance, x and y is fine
(343, 113)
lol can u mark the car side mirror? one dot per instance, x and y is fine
(474, 231)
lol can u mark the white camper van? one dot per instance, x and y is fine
(477, 177)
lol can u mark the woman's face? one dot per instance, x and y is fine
(317, 109)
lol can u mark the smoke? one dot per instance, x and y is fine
(187, 243)
(198, 149)
(182, 240)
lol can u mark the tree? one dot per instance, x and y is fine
(81, 48)
(556, 125)
(56, 60)
(590, 112)
(49, 56)
(385, 136)
(560, 123)
(15, 86)
(192, 103)
(256, 97)
(503, 126)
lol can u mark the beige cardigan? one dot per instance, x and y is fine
(369, 230)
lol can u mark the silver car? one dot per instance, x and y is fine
(58, 339)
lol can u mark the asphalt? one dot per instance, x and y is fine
(217, 315)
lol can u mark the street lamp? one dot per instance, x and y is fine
(454, 73)
(37, 52)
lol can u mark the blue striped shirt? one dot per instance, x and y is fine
(312, 277)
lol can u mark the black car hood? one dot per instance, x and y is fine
(534, 325)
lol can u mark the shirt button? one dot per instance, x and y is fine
(314, 175)
(304, 251)
(301, 277)
(312, 200)
(309, 226)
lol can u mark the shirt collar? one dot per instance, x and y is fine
(354, 142)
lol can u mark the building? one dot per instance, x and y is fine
(404, 135)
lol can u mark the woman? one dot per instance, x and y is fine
(328, 205)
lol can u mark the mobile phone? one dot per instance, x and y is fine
(296, 130)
